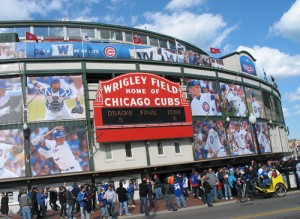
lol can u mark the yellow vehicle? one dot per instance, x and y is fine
(277, 187)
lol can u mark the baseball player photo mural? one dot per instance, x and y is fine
(233, 100)
(240, 138)
(12, 163)
(10, 100)
(263, 137)
(59, 94)
(204, 100)
(255, 102)
(51, 152)
(209, 139)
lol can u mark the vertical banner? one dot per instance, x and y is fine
(60, 149)
(11, 101)
(240, 138)
(12, 162)
(209, 139)
(55, 98)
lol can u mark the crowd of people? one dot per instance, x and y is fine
(208, 185)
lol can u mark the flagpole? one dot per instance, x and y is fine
(135, 57)
(82, 46)
(25, 47)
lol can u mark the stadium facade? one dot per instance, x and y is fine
(142, 109)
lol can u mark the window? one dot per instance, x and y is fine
(177, 147)
(160, 148)
(116, 35)
(56, 32)
(128, 150)
(128, 37)
(163, 43)
(89, 32)
(73, 32)
(107, 149)
(104, 34)
(153, 41)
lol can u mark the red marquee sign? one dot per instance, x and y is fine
(141, 106)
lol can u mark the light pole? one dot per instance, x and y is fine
(252, 120)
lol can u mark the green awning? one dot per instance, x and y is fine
(9, 37)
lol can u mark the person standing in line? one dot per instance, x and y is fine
(41, 197)
(62, 201)
(157, 187)
(167, 194)
(25, 204)
(122, 197)
(131, 193)
(207, 187)
(34, 205)
(75, 193)
(178, 192)
(212, 180)
(150, 194)
(82, 199)
(103, 203)
(53, 199)
(143, 192)
(111, 198)
(4, 204)
(70, 201)
(185, 183)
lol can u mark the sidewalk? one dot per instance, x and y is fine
(158, 207)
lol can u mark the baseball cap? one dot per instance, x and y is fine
(252, 93)
(55, 80)
(207, 124)
(58, 134)
(223, 87)
(192, 83)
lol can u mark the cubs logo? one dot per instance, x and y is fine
(205, 106)
(109, 52)
(211, 139)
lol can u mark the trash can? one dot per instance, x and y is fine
(293, 180)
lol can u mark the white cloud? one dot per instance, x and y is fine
(274, 61)
(286, 112)
(180, 25)
(293, 96)
(288, 25)
(176, 5)
(25, 9)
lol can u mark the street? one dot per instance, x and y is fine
(287, 207)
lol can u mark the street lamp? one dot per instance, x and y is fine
(252, 120)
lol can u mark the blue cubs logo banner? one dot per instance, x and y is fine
(247, 65)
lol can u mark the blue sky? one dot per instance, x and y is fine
(268, 29)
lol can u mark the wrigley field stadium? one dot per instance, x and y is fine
(89, 102)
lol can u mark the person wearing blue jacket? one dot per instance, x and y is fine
(178, 192)
(41, 201)
(103, 203)
(83, 201)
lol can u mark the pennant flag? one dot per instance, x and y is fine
(137, 40)
(178, 45)
(272, 78)
(31, 36)
(85, 37)
(214, 50)
(265, 76)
